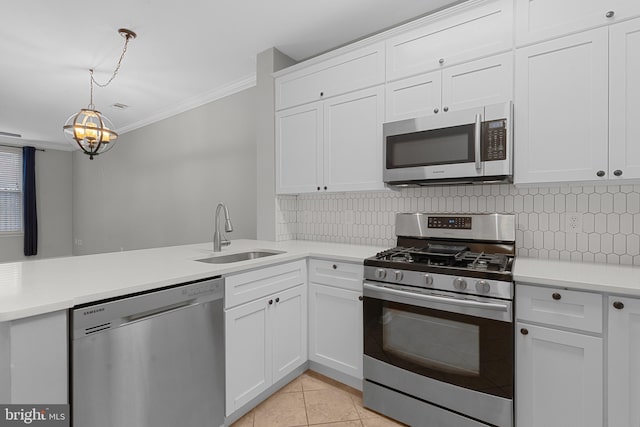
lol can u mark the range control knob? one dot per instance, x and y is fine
(428, 279)
(398, 275)
(381, 273)
(483, 286)
(459, 283)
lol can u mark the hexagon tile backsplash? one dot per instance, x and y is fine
(578, 223)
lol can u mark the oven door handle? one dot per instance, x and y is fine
(439, 299)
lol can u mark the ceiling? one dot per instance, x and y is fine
(187, 53)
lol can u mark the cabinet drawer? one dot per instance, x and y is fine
(344, 275)
(559, 307)
(345, 73)
(245, 287)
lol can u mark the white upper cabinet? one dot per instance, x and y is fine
(299, 149)
(331, 145)
(458, 34)
(353, 141)
(624, 100)
(351, 71)
(577, 102)
(561, 109)
(538, 20)
(473, 84)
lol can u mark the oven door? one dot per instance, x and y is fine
(447, 146)
(451, 350)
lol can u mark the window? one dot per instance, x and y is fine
(10, 190)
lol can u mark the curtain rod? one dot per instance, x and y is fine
(20, 146)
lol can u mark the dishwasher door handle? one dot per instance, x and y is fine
(157, 312)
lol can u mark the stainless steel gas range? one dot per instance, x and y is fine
(438, 322)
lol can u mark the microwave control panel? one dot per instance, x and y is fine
(494, 140)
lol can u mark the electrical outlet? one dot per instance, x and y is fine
(78, 242)
(573, 222)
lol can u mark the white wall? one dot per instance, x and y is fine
(54, 182)
(160, 184)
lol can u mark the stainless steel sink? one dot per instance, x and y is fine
(240, 256)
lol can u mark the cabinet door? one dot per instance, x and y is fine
(624, 107)
(417, 96)
(335, 328)
(475, 84)
(289, 325)
(559, 377)
(561, 113)
(455, 36)
(248, 350)
(624, 354)
(298, 149)
(353, 141)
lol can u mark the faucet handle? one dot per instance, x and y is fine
(225, 242)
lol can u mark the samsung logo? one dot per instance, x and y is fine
(96, 310)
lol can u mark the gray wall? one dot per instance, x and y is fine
(53, 197)
(160, 184)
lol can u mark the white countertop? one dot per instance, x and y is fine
(606, 278)
(36, 287)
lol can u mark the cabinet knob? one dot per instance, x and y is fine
(270, 302)
(446, 109)
(610, 14)
(618, 305)
(335, 267)
(318, 188)
(325, 187)
(441, 61)
(556, 296)
(600, 173)
(321, 93)
(360, 298)
(278, 299)
(435, 110)
(524, 331)
(617, 172)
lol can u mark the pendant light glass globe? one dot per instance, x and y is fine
(91, 131)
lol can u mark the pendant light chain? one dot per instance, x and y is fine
(127, 36)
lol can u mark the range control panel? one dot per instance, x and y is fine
(452, 222)
(494, 140)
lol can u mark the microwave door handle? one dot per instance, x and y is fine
(478, 129)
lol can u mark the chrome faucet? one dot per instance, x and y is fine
(218, 243)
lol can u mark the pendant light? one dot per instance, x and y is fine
(90, 130)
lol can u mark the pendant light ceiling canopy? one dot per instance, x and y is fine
(88, 128)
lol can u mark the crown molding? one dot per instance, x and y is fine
(194, 102)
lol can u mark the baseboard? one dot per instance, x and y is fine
(336, 375)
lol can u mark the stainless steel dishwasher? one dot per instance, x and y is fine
(151, 360)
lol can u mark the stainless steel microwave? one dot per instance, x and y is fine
(466, 146)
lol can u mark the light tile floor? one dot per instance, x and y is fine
(314, 400)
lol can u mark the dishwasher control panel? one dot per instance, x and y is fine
(204, 288)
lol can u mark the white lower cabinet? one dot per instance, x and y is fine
(558, 378)
(624, 361)
(335, 317)
(559, 358)
(266, 338)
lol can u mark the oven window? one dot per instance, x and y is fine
(463, 350)
(433, 147)
(455, 347)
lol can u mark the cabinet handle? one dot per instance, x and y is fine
(617, 172)
(270, 302)
(618, 304)
(524, 331)
(278, 299)
(335, 267)
(360, 298)
(435, 110)
(441, 61)
(610, 14)
(446, 109)
(556, 296)
(600, 173)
